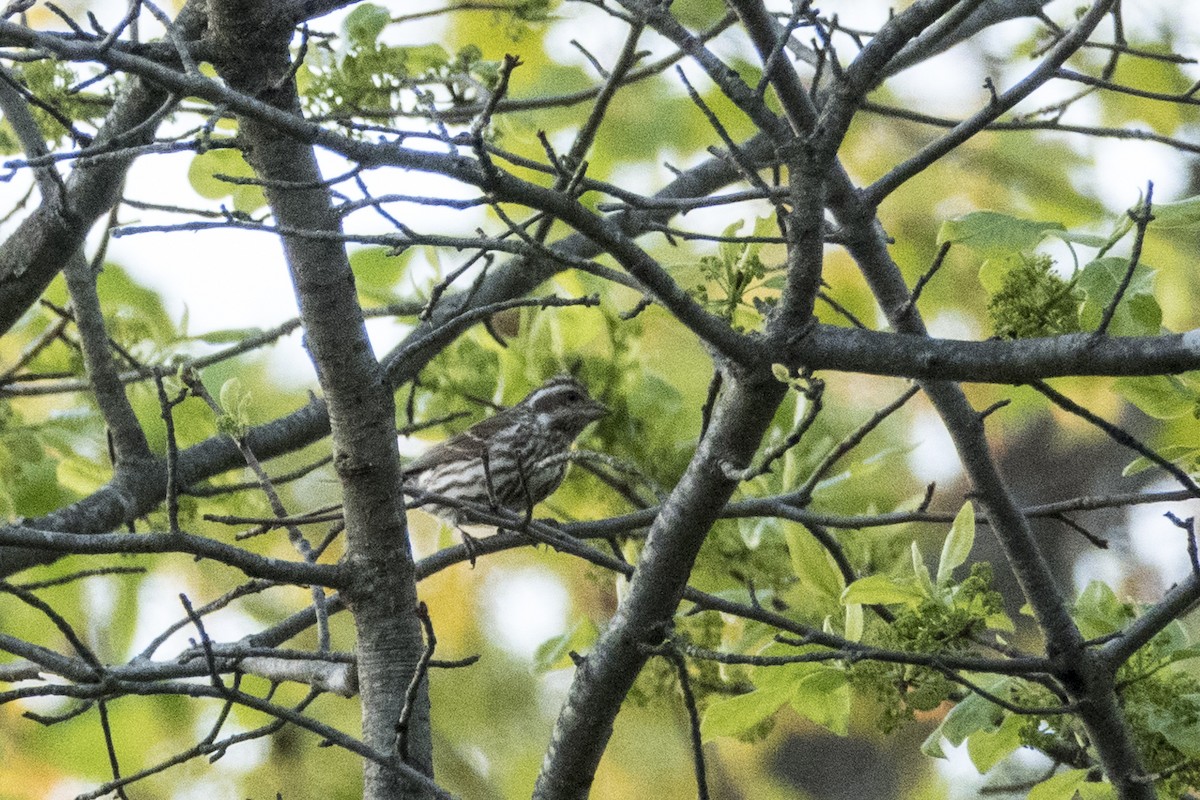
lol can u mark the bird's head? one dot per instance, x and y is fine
(563, 404)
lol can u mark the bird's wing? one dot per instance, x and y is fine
(471, 443)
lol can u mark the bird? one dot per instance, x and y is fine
(512, 460)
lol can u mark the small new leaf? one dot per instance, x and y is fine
(920, 571)
(881, 590)
(854, 622)
(363, 25)
(958, 543)
(235, 402)
(1138, 313)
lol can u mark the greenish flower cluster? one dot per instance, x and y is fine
(1163, 711)
(1161, 704)
(732, 279)
(933, 626)
(1034, 301)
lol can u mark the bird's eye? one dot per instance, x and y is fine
(574, 397)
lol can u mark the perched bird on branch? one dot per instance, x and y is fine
(512, 460)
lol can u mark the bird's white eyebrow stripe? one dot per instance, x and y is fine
(557, 387)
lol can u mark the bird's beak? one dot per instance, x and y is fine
(596, 409)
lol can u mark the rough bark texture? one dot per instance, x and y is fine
(603, 679)
(361, 408)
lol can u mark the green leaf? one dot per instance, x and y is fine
(227, 161)
(1060, 787)
(1148, 74)
(854, 622)
(1180, 214)
(134, 312)
(1185, 736)
(958, 543)
(235, 402)
(363, 25)
(1098, 612)
(1000, 621)
(994, 271)
(1097, 790)
(1175, 453)
(1086, 239)
(920, 571)
(975, 713)
(555, 652)
(1184, 653)
(1173, 643)
(992, 233)
(1138, 313)
(377, 271)
(989, 748)
(932, 746)
(811, 563)
(881, 590)
(1123, 225)
(730, 252)
(1160, 396)
(738, 715)
(823, 696)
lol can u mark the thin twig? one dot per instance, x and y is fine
(813, 393)
(804, 493)
(166, 404)
(924, 279)
(419, 675)
(114, 764)
(689, 702)
(1188, 526)
(1141, 220)
(1118, 435)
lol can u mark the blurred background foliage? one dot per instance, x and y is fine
(523, 610)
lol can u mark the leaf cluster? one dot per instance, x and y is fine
(369, 77)
(1160, 699)
(941, 624)
(736, 285)
(1028, 298)
(53, 83)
